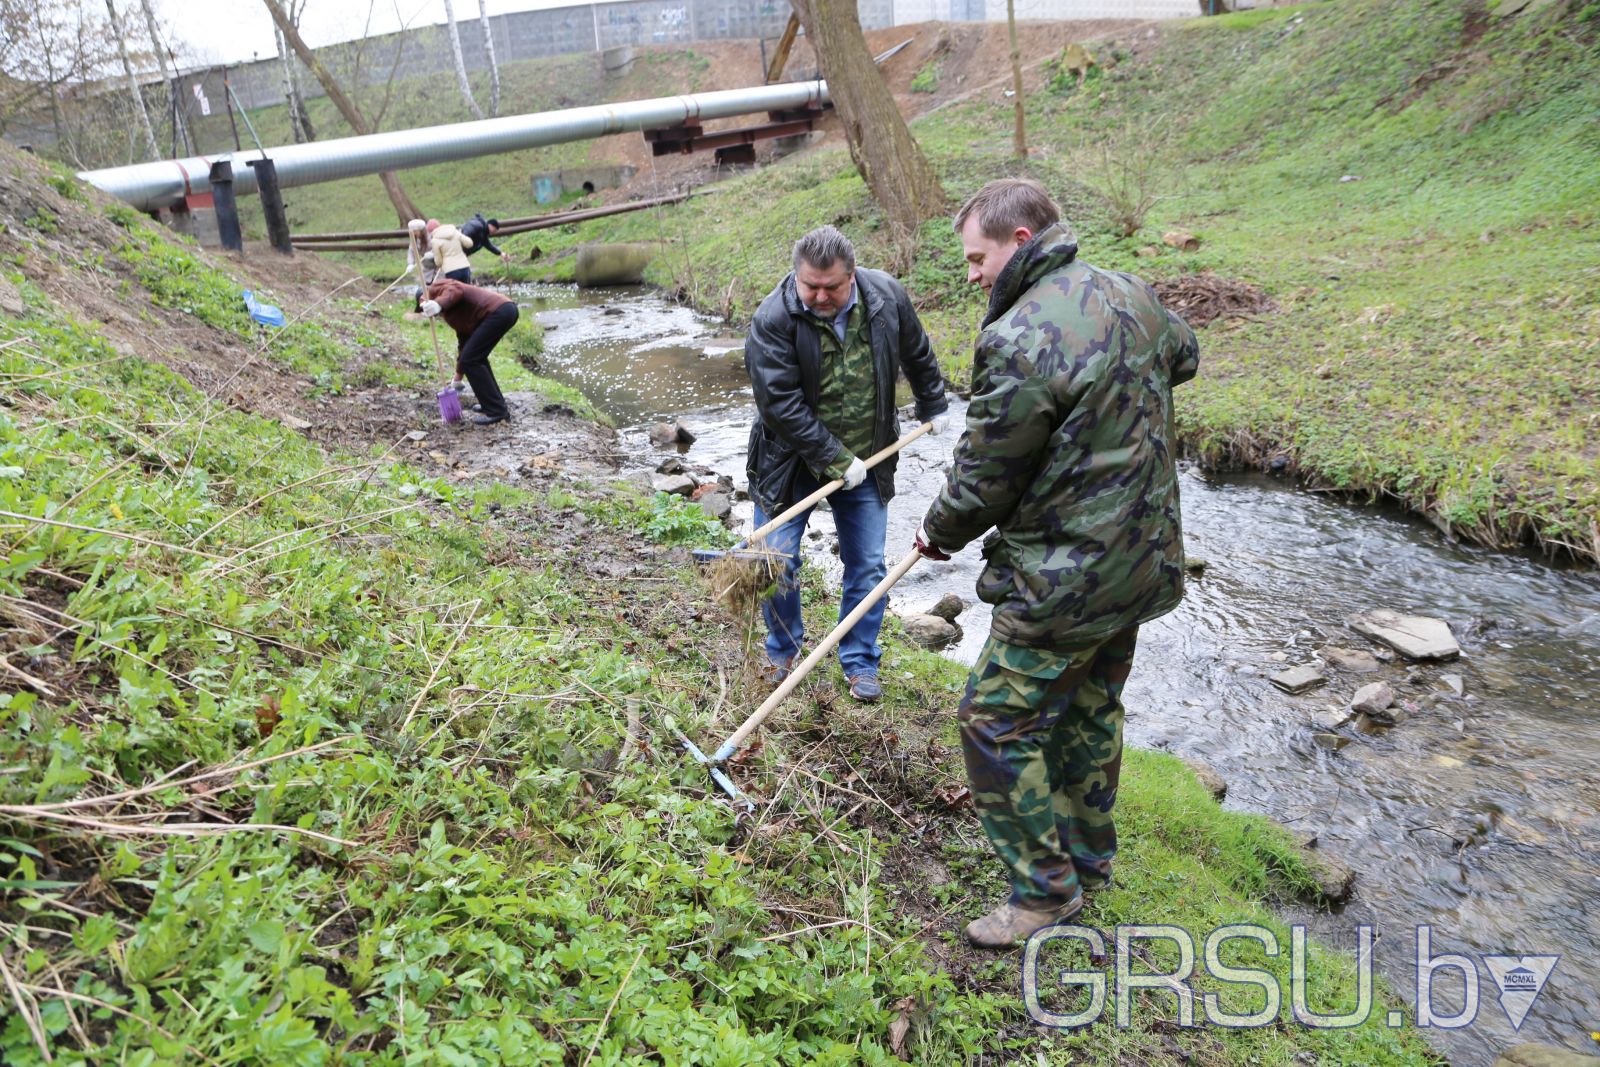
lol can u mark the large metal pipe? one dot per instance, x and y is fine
(149, 186)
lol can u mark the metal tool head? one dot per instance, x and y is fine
(718, 775)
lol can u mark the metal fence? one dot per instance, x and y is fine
(595, 27)
(426, 51)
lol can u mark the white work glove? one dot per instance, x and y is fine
(941, 423)
(431, 308)
(417, 226)
(855, 474)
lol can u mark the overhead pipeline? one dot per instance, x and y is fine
(149, 186)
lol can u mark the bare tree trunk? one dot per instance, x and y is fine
(1016, 79)
(179, 134)
(461, 64)
(881, 145)
(133, 83)
(391, 185)
(288, 88)
(488, 49)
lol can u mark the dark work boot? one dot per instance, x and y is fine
(491, 402)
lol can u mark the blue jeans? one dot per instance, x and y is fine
(862, 519)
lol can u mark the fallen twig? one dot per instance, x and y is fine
(27, 1009)
(27, 679)
(161, 784)
(42, 521)
(437, 667)
(598, 1034)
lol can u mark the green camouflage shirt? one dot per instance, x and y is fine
(1068, 452)
(847, 398)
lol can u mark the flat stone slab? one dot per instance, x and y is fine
(676, 484)
(1330, 718)
(1413, 636)
(1354, 660)
(1544, 1056)
(1297, 679)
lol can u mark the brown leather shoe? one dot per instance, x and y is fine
(1011, 924)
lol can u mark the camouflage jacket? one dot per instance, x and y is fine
(1068, 451)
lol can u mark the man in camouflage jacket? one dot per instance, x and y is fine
(1068, 456)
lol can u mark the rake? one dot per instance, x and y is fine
(736, 740)
(449, 400)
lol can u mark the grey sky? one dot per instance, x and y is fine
(229, 31)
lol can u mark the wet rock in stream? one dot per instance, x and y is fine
(1354, 660)
(1413, 636)
(949, 607)
(930, 631)
(1298, 679)
(1375, 700)
(670, 434)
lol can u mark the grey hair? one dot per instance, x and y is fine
(823, 247)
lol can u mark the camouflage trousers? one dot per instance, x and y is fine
(1042, 736)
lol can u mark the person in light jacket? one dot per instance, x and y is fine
(449, 247)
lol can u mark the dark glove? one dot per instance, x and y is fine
(928, 548)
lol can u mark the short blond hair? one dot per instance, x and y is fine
(1006, 204)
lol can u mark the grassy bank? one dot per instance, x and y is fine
(1414, 183)
(314, 756)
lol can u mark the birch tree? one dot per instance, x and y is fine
(133, 83)
(180, 136)
(391, 184)
(488, 50)
(461, 64)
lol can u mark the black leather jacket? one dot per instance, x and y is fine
(477, 228)
(784, 359)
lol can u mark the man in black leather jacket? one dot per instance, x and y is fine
(481, 230)
(823, 353)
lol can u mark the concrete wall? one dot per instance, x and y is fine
(906, 11)
(1091, 9)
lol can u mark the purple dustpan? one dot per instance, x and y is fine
(449, 404)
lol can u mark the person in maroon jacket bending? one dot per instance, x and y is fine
(479, 318)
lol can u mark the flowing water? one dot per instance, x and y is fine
(1478, 816)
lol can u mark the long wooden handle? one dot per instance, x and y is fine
(796, 508)
(737, 738)
(438, 356)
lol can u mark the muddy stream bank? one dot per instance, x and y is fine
(1478, 815)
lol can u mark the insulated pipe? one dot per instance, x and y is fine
(149, 186)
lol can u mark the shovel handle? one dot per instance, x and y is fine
(433, 323)
(810, 501)
(737, 738)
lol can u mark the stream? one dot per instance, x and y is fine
(1479, 815)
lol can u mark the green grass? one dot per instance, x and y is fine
(1437, 339)
(449, 851)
